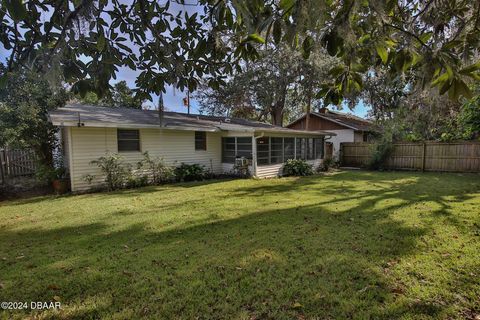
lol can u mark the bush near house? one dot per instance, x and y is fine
(191, 172)
(297, 167)
(149, 171)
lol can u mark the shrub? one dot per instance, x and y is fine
(190, 172)
(116, 173)
(297, 167)
(327, 164)
(48, 174)
(137, 181)
(157, 169)
(380, 154)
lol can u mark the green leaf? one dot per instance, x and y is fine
(461, 89)
(364, 38)
(399, 61)
(255, 37)
(277, 31)
(100, 42)
(426, 36)
(444, 88)
(383, 53)
(333, 43)
(307, 46)
(16, 9)
(336, 71)
(286, 4)
(471, 68)
(441, 79)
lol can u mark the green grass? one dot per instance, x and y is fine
(363, 245)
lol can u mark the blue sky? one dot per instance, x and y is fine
(173, 99)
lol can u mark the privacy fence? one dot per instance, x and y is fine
(428, 156)
(16, 162)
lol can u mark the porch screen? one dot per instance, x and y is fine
(273, 150)
(233, 147)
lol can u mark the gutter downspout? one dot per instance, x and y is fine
(254, 150)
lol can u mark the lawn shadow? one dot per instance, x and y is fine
(307, 260)
(260, 264)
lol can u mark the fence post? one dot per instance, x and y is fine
(424, 156)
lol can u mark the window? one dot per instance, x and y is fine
(263, 150)
(128, 140)
(319, 148)
(228, 150)
(310, 149)
(288, 148)
(200, 140)
(244, 147)
(276, 153)
(301, 148)
(234, 147)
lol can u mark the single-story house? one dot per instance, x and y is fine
(90, 132)
(347, 127)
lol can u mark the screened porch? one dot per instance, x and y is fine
(271, 150)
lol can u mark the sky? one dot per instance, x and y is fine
(173, 98)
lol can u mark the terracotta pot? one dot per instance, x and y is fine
(60, 186)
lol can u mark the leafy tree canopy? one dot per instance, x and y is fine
(88, 41)
(278, 84)
(120, 96)
(25, 101)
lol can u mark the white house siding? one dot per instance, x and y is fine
(344, 135)
(275, 170)
(174, 146)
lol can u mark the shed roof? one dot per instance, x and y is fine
(94, 116)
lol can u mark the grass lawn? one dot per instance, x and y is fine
(363, 245)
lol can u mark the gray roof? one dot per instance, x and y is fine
(94, 116)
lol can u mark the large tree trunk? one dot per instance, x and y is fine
(276, 111)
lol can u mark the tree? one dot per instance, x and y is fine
(120, 96)
(278, 82)
(24, 102)
(86, 42)
(437, 38)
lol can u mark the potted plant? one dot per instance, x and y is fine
(56, 177)
(59, 180)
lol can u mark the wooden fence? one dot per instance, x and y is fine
(428, 156)
(16, 162)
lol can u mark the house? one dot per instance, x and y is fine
(347, 127)
(89, 132)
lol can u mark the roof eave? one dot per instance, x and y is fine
(95, 124)
(297, 132)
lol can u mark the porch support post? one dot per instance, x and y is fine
(294, 147)
(254, 155)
